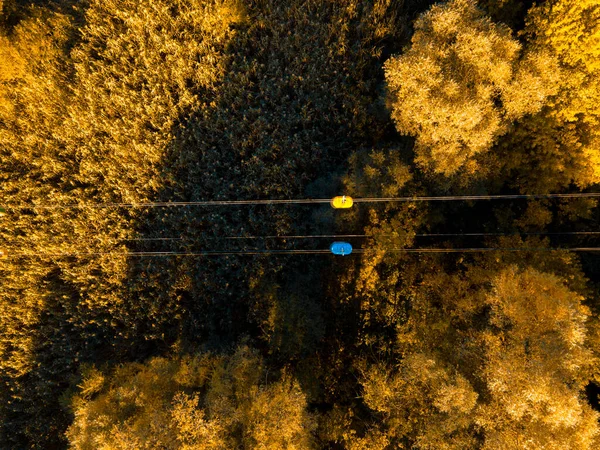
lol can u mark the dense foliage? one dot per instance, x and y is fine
(463, 81)
(158, 405)
(108, 104)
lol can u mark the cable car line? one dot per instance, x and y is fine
(306, 201)
(478, 197)
(539, 233)
(169, 253)
(309, 252)
(338, 236)
(298, 251)
(174, 204)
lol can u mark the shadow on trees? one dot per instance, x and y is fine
(296, 100)
(288, 111)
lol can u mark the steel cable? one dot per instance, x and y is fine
(307, 252)
(304, 201)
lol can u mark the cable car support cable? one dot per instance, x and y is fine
(304, 201)
(305, 252)
(339, 236)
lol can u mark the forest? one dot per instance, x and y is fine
(129, 323)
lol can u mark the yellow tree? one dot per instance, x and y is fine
(536, 364)
(34, 95)
(142, 67)
(74, 104)
(562, 142)
(375, 282)
(200, 402)
(461, 83)
(424, 403)
(487, 359)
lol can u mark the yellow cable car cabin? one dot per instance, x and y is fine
(341, 202)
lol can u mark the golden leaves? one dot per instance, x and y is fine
(423, 402)
(203, 401)
(461, 84)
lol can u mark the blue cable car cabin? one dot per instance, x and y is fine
(340, 248)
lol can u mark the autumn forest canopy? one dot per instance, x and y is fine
(111, 102)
